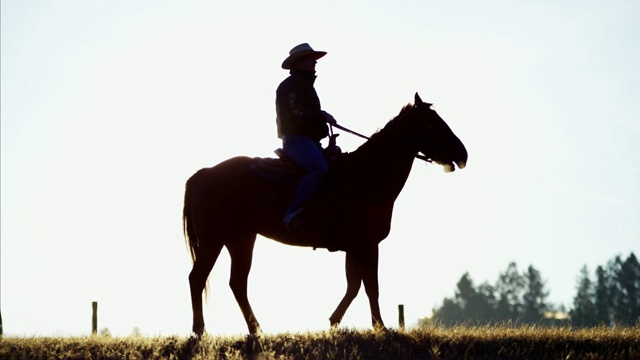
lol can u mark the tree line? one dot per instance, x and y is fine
(611, 297)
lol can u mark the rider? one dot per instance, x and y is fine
(302, 124)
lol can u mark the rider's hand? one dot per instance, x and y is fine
(329, 119)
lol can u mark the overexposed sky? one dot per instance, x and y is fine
(108, 107)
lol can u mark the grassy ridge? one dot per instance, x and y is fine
(431, 343)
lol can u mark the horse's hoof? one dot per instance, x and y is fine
(194, 340)
(198, 331)
(253, 344)
(334, 323)
(255, 330)
(381, 329)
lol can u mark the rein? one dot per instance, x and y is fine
(421, 157)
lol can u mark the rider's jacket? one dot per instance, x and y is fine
(298, 107)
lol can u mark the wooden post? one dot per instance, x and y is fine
(401, 316)
(94, 318)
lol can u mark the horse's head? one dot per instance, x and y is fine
(436, 140)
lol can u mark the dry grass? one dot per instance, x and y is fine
(430, 343)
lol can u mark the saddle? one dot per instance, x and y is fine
(286, 173)
(284, 170)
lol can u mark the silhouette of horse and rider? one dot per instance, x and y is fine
(301, 199)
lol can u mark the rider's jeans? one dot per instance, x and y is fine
(308, 154)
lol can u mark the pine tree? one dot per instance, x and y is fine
(469, 305)
(635, 294)
(449, 314)
(510, 287)
(583, 313)
(484, 303)
(617, 298)
(502, 311)
(465, 291)
(628, 283)
(475, 303)
(603, 306)
(534, 297)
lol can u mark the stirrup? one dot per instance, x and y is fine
(290, 222)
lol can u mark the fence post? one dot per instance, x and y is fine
(0, 324)
(94, 318)
(401, 316)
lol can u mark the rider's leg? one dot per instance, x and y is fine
(308, 154)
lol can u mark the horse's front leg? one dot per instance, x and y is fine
(354, 279)
(370, 279)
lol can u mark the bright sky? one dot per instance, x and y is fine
(108, 107)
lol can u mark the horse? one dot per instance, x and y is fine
(229, 204)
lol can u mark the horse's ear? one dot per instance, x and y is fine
(417, 99)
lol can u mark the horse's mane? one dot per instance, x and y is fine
(380, 137)
(391, 123)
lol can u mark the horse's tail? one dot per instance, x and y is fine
(188, 227)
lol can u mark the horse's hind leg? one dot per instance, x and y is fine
(241, 252)
(354, 279)
(371, 287)
(205, 259)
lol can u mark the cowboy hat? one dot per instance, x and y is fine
(300, 51)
